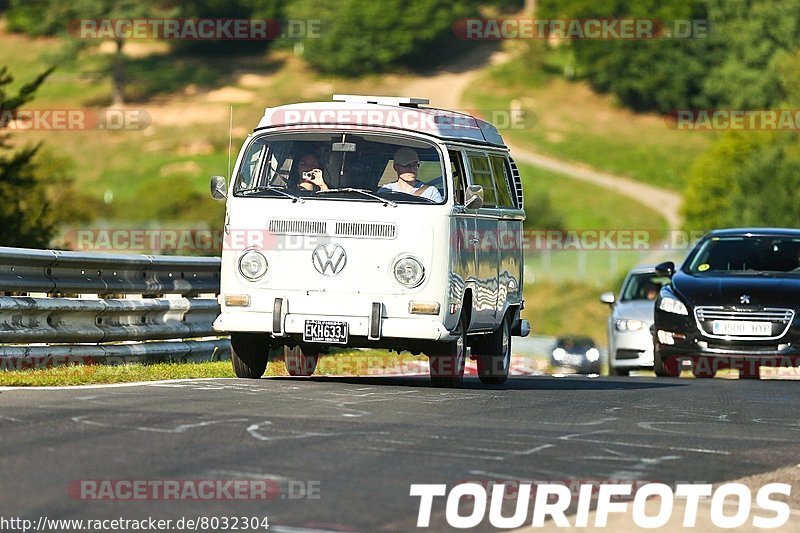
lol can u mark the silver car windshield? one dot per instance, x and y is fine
(359, 165)
(644, 286)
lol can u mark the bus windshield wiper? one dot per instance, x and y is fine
(260, 188)
(365, 192)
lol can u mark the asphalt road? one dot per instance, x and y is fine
(361, 442)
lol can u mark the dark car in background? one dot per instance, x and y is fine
(630, 343)
(577, 353)
(733, 303)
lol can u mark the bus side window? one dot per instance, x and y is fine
(503, 183)
(457, 165)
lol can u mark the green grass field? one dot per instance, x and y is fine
(587, 207)
(567, 307)
(566, 119)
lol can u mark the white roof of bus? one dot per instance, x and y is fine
(386, 112)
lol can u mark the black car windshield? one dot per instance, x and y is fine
(644, 286)
(747, 255)
(361, 167)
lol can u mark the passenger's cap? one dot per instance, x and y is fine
(404, 156)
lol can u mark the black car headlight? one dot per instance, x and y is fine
(670, 304)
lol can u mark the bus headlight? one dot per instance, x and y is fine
(253, 265)
(409, 272)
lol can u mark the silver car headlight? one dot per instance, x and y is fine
(253, 265)
(592, 354)
(628, 325)
(672, 305)
(409, 272)
(559, 354)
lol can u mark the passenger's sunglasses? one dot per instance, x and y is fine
(415, 164)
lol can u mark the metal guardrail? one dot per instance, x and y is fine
(52, 271)
(76, 302)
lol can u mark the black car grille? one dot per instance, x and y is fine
(623, 353)
(780, 319)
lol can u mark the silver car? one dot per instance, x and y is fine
(630, 344)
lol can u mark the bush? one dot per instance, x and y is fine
(541, 215)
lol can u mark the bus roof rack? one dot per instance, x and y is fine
(404, 101)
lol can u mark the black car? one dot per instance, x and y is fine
(732, 304)
(576, 352)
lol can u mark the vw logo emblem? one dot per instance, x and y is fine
(329, 259)
(744, 299)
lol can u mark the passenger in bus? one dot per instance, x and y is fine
(310, 174)
(406, 164)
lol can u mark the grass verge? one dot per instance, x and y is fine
(342, 363)
(99, 374)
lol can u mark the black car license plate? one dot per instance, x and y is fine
(325, 331)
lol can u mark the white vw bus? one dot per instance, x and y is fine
(372, 222)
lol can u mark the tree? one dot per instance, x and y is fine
(758, 37)
(746, 179)
(658, 74)
(57, 17)
(222, 9)
(112, 10)
(35, 189)
(39, 17)
(750, 177)
(360, 37)
(735, 66)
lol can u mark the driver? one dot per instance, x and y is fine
(406, 165)
(651, 290)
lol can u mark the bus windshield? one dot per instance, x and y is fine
(338, 165)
